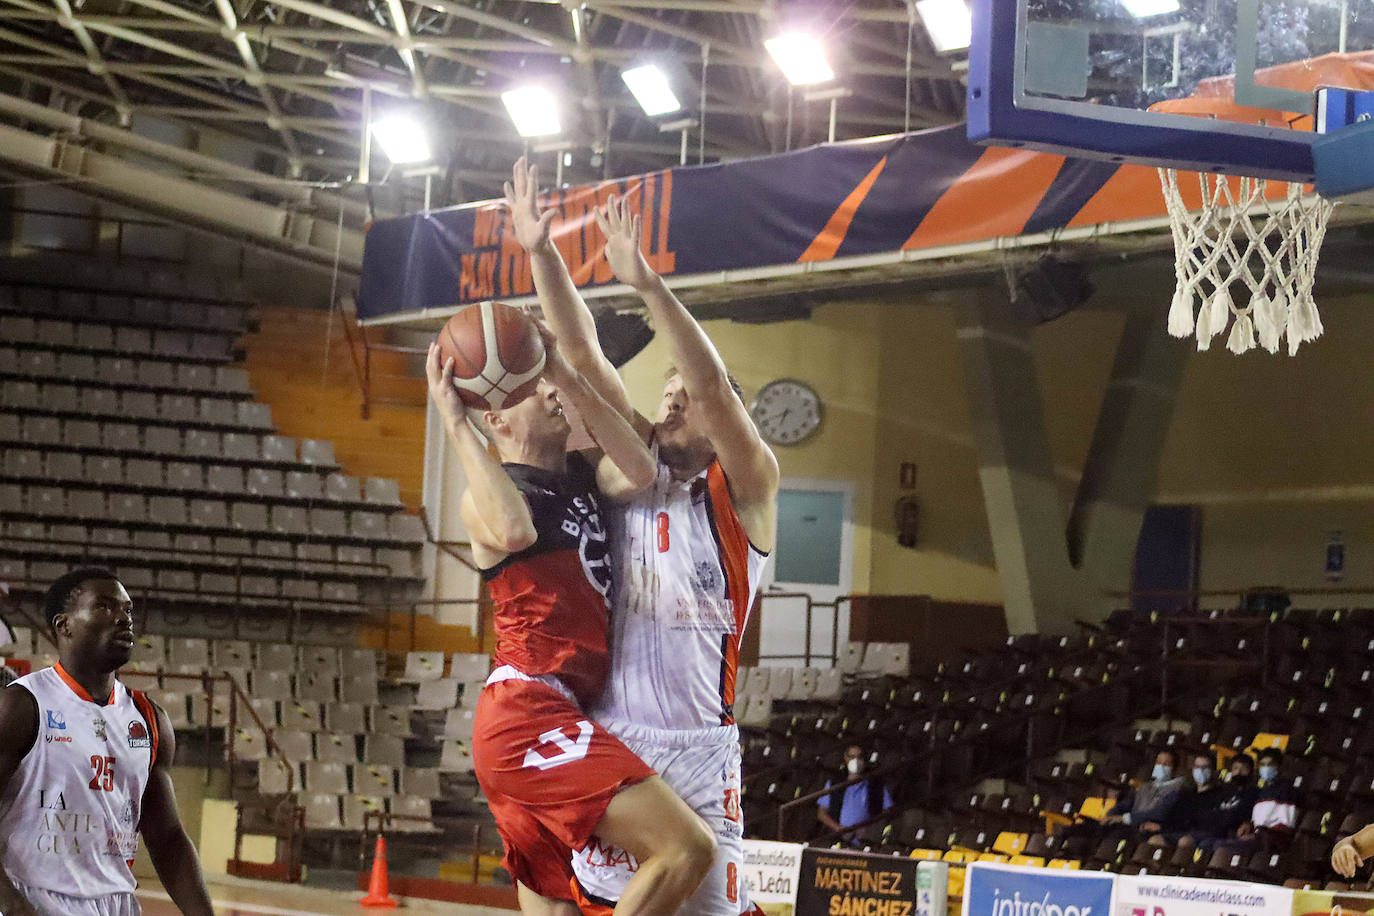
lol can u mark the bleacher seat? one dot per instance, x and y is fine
(350, 718)
(335, 748)
(439, 694)
(391, 720)
(374, 780)
(384, 750)
(424, 666)
(469, 667)
(455, 756)
(326, 777)
(274, 778)
(322, 812)
(412, 814)
(419, 782)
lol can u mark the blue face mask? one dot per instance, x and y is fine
(1161, 772)
(1268, 772)
(1202, 775)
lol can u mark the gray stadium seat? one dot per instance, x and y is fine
(155, 373)
(167, 510)
(360, 663)
(317, 451)
(386, 750)
(304, 485)
(43, 430)
(11, 428)
(231, 653)
(391, 720)
(178, 407)
(357, 689)
(440, 694)
(322, 812)
(150, 652)
(23, 462)
(411, 814)
(76, 366)
(209, 513)
(218, 411)
(21, 394)
(121, 437)
(196, 377)
(138, 405)
(455, 756)
(60, 398)
(374, 780)
(203, 443)
(269, 684)
(324, 777)
(300, 589)
(89, 504)
(383, 491)
(290, 520)
(99, 402)
(45, 500)
(323, 660)
(276, 656)
(254, 415)
(65, 466)
(370, 525)
(350, 718)
(172, 343)
(209, 346)
(405, 527)
(258, 586)
(343, 488)
(330, 523)
(118, 370)
(185, 475)
(242, 446)
(54, 333)
(273, 779)
(232, 380)
(336, 748)
(317, 687)
(296, 746)
(103, 469)
(248, 516)
(281, 449)
(264, 482)
(355, 807)
(223, 478)
(420, 782)
(16, 328)
(248, 744)
(133, 340)
(302, 714)
(162, 440)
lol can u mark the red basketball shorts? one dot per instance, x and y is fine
(548, 772)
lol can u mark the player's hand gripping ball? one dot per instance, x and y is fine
(497, 355)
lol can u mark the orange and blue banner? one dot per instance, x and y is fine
(919, 190)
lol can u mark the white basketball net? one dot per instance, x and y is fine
(1272, 250)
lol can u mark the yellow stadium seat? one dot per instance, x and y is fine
(1034, 861)
(956, 882)
(930, 855)
(1264, 741)
(960, 856)
(1069, 864)
(992, 857)
(1095, 808)
(1010, 843)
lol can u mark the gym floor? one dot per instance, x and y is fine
(254, 898)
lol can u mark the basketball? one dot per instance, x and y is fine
(497, 355)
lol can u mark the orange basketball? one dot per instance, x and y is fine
(497, 355)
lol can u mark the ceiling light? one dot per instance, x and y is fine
(801, 58)
(948, 22)
(649, 85)
(534, 110)
(1142, 8)
(402, 137)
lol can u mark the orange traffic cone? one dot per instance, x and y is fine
(378, 893)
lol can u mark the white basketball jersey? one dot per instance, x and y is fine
(685, 577)
(71, 811)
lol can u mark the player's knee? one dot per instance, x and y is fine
(695, 851)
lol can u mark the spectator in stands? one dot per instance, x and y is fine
(1275, 814)
(1209, 815)
(1139, 811)
(859, 802)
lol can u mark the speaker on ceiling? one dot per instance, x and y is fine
(1049, 288)
(622, 335)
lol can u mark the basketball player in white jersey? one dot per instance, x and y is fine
(688, 553)
(85, 767)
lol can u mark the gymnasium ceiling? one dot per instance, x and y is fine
(288, 76)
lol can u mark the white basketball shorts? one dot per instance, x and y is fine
(703, 766)
(51, 903)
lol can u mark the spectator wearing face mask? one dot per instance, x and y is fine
(858, 802)
(1219, 803)
(1138, 812)
(1275, 814)
(1146, 807)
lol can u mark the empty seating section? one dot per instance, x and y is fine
(125, 430)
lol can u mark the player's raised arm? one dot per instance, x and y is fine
(626, 466)
(749, 464)
(169, 847)
(563, 306)
(496, 515)
(18, 732)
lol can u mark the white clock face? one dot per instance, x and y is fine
(787, 411)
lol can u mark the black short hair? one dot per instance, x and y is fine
(61, 592)
(1173, 755)
(1272, 752)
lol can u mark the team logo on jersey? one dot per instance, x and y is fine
(99, 725)
(704, 579)
(138, 735)
(56, 719)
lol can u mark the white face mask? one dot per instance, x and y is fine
(855, 766)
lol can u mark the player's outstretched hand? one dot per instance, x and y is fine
(1345, 860)
(623, 231)
(522, 202)
(441, 387)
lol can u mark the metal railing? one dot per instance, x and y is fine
(807, 656)
(356, 337)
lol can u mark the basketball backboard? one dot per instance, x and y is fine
(1226, 86)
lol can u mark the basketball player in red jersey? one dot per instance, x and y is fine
(689, 550)
(85, 767)
(550, 774)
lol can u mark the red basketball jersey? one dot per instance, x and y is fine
(551, 598)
